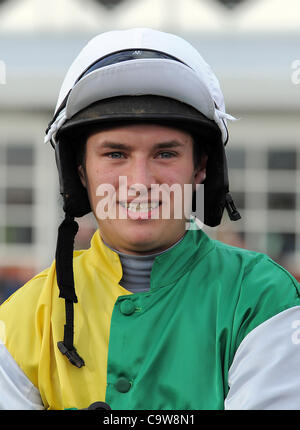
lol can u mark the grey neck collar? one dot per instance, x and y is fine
(137, 269)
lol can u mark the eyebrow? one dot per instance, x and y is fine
(160, 145)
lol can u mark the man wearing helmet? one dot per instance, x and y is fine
(155, 315)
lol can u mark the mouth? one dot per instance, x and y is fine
(140, 210)
(140, 206)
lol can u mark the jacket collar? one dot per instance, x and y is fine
(167, 268)
(173, 264)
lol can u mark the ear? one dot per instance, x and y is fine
(81, 173)
(200, 171)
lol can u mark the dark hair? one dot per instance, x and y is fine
(200, 149)
(80, 147)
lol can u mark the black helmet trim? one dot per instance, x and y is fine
(128, 109)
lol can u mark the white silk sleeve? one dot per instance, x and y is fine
(265, 372)
(16, 390)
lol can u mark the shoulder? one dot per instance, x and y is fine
(223, 250)
(19, 313)
(30, 290)
(35, 300)
(243, 274)
(255, 268)
(41, 284)
(23, 317)
(252, 285)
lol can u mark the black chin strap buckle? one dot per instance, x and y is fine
(71, 354)
(233, 213)
(66, 346)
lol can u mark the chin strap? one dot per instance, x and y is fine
(65, 280)
(232, 211)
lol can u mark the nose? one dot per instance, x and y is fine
(140, 176)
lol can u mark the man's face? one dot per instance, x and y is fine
(137, 165)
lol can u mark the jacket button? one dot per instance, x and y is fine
(122, 385)
(127, 307)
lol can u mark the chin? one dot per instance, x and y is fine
(143, 236)
(143, 242)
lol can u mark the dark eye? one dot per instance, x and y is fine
(166, 154)
(115, 154)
